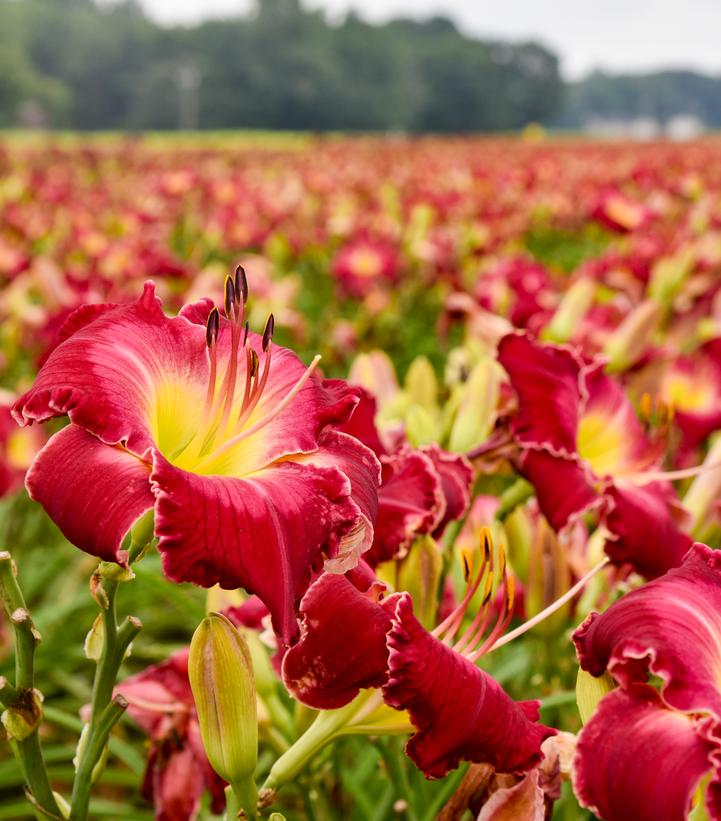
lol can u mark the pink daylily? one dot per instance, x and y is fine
(250, 483)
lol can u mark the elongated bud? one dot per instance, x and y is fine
(573, 307)
(421, 384)
(704, 491)
(420, 575)
(221, 677)
(633, 336)
(477, 406)
(589, 691)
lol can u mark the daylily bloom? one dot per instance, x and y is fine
(422, 489)
(644, 752)
(366, 262)
(459, 711)
(228, 438)
(583, 448)
(178, 772)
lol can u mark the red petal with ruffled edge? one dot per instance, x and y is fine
(410, 503)
(92, 491)
(263, 533)
(108, 374)
(456, 475)
(343, 643)
(340, 451)
(670, 627)
(563, 486)
(362, 424)
(547, 379)
(105, 374)
(644, 533)
(459, 710)
(636, 759)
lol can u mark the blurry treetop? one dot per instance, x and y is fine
(75, 64)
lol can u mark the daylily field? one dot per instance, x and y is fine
(415, 439)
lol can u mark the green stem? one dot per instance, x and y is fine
(27, 751)
(515, 495)
(105, 711)
(246, 797)
(325, 727)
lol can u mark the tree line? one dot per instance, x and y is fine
(85, 65)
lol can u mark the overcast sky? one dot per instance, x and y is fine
(614, 34)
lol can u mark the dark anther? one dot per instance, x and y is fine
(241, 284)
(245, 337)
(268, 332)
(253, 362)
(229, 296)
(211, 327)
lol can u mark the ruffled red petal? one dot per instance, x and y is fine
(263, 533)
(104, 376)
(670, 627)
(459, 710)
(410, 503)
(92, 491)
(456, 475)
(636, 759)
(342, 647)
(547, 379)
(563, 486)
(644, 532)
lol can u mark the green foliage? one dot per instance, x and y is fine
(90, 66)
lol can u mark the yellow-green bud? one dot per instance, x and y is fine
(421, 384)
(420, 575)
(477, 406)
(633, 336)
(221, 677)
(572, 308)
(589, 691)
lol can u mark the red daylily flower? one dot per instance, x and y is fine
(178, 772)
(459, 711)
(583, 448)
(250, 484)
(422, 489)
(643, 753)
(636, 758)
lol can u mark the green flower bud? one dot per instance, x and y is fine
(572, 308)
(420, 575)
(421, 384)
(221, 677)
(477, 406)
(589, 691)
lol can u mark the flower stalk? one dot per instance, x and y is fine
(105, 710)
(22, 699)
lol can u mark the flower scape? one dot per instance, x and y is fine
(360, 479)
